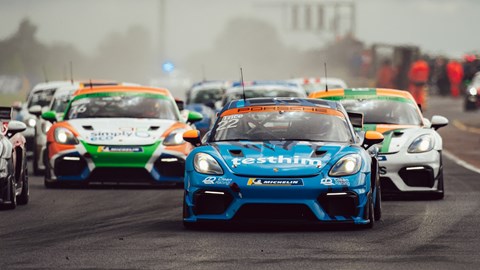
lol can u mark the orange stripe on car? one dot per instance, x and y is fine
(330, 93)
(384, 128)
(282, 108)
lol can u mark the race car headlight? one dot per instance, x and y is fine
(421, 144)
(31, 122)
(175, 137)
(65, 136)
(46, 126)
(206, 164)
(472, 91)
(347, 165)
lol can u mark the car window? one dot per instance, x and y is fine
(282, 125)
(207, 95)
(130, 106)
(41, 98)
(376, 111)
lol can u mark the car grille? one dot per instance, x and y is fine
(275, 212)
(417, 177)
(210, 202)
(341, 204)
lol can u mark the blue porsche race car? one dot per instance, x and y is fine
(282, 159)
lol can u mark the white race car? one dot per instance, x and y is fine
(410, 157)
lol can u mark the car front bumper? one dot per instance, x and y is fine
(231, 198)
(410, 172)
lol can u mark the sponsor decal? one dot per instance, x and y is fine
(382, 158)
(120, 149)
(277, 160)
(274, 182)
(123, 132)
(382, 170)
(335, 181)
(211, 180)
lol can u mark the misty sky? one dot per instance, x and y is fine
(438, 26)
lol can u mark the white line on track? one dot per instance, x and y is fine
(461, 162)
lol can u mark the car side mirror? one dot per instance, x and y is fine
(371, 138)
(35, 110)
(15, 127)
(438, 122)
(50, 116)
(192, 136)
(356, 119)
(194, 117)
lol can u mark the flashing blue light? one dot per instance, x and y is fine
(168, 67)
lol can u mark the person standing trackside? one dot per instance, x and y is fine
(386, 75)
(418, 78)
(455, 76)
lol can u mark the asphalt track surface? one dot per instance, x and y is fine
(141, 228)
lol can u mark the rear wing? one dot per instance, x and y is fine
(5, 114)
(356, 119)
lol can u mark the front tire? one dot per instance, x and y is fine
(24, 197)
(378, 205)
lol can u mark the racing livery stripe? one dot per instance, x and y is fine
(386, 142)
(360, 92)
(276, 108)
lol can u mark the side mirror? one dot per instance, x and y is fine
(15, 127)
(194, 117)
(371, 138)
(192, 136)
(438, 122)
(50, 116)
(35, 110)
(180, 104)
(356, 119)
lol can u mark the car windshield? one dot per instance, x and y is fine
(207, 96)
(41, 98)
(311, 87)
(261, 93)
(123, 106)
(59, 105)
(377, 111)
(282, 125)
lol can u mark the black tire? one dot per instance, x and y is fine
(13, 198)
(378, 205)
(440, 193)
(24, 197)
(371, 213)
(50, 184)
(469, 106)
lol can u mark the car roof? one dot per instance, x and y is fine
(48, 85)
(123, 88)
(283, 101)
(319, 80)
(266, 87)
(363, 92)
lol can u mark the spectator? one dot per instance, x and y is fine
(418, 78)
(386, 75)
(455, 76)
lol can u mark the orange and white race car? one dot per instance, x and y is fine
(118, 134)
(411, 155)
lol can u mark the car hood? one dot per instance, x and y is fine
(120, 131)
(397, 137)
(276, 158)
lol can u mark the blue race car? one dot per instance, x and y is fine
(288, 159)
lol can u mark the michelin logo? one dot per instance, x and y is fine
(274, 182)
(277, 160)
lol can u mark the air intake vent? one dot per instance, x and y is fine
(318, 153)
(236, 152)
(88, 127)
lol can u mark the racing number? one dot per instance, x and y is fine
(228, 123)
